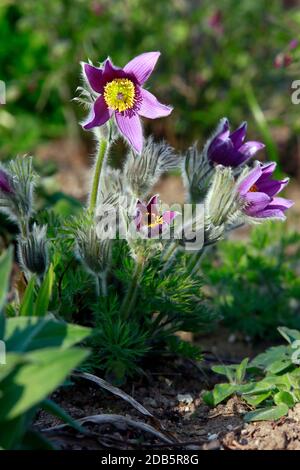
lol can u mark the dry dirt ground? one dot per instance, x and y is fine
(172, 393)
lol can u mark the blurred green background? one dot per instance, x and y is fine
(219, 58)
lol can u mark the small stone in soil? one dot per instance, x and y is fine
(185, 398)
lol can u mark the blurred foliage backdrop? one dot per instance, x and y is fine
(218, 58)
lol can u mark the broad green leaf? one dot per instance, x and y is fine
(44, 295)
(270, 413)
(30, 333)
(284, 397)
(12, 432)
(276, 353)
(221, 392)
(289, 334)
(278, 366)
(27, 305)
(12, 360)
(228, 371)
(208, 398)
(255, 400)
(5, 271)
(241, 371)
(34, 381)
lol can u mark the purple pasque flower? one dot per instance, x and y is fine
(121, 94)
(149, 220)
(228, 148)
(259, 192)
(5, 186)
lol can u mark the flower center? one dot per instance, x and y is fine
(119, 94)
(155, 220)
(253, 189)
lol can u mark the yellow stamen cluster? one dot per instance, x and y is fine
(119, 94)
(253, 189)
(158, 220)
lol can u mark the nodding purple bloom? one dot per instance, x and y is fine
(121, 93)
(259, 192)
(149, 221)
(229, 149)
(5, 186)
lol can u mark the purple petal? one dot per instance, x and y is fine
(4, 183)
(281, 203)
(131, 128)
(250, 180)
(271, 187)
(152, 206)
(110, 71)
(223, 126)
(138, 219)
(271, 214)
(169, 216)
(268, 169)
(142, 66)
(238, 136)
(250, 148)
(94, 76)
(99, 114)
(257, 202)
(151, 108)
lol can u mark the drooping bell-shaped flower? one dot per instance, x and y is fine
(149, 221)
(228, 148)
(259, 192)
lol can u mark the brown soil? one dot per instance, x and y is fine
(172, 392)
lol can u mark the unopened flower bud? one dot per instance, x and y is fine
(33, 251)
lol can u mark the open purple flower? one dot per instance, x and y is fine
(149, 221)
(121, 93)
(5, 186)
(259, 191)
(229, 149)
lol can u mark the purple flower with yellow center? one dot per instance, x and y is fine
(259, 192)
(121, 94)
(229, 149)
(149, 220)
(5, 186)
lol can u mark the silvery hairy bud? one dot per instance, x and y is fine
(33, 251)
(94, 253)
(197, 172)
(142, 173)
(16, 190)
(222, 204)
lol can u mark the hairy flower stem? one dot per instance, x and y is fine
(193, 264)
(101, 285)
(131, 295)
(103, 145)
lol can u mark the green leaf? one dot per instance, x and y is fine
(221, 392)
(289, 334)
(273, 354)
(279, 366)
(228, 371)
(5, 270)
(34, 381)
(31, 333)
(255, 400)
(44, 295)
(27, 306)
(284, 397)
(56, 410)
(270, 413)
(241, 371)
